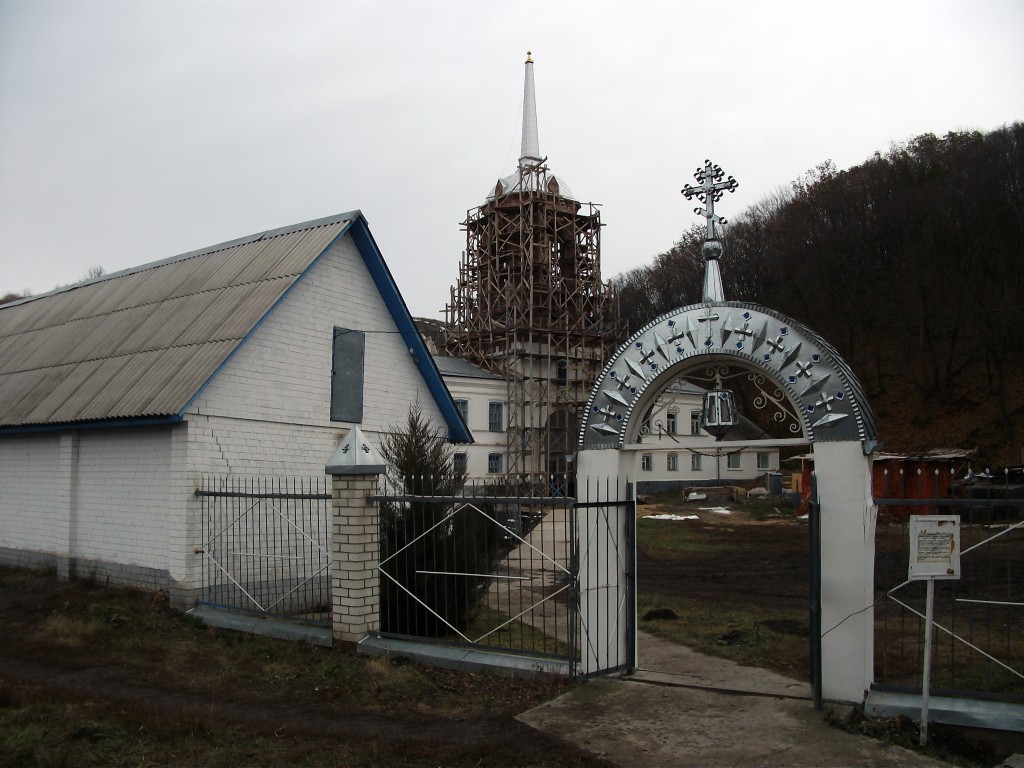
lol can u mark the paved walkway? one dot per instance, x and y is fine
(700, 711)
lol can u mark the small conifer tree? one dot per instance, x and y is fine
(436, 556)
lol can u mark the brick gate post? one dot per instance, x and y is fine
(355, 548)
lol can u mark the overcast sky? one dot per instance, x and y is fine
(135, 130)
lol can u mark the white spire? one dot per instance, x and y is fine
(531, 144)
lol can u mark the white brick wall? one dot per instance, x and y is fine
(90, 500)
(123, 493)
(31, 487)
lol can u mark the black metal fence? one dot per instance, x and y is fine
(978, 636)
(490, 565)
(486, 564)
(265, 545)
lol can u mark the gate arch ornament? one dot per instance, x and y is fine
(828, 399)
(830, 407)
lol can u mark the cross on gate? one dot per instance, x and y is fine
(743, 330)
(825, 400)
(709, 192)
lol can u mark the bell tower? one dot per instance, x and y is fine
(529, 303)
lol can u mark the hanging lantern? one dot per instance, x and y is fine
(719, 413)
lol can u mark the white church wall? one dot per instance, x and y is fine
(478, 394)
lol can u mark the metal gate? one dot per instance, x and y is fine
(503, 567)
(978, 637)
(265, 545)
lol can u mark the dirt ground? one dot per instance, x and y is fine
(745, 559)
(96, 676)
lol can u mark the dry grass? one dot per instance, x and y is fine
(91, 676)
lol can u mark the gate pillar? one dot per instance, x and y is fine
(843, 479)
(354, 539)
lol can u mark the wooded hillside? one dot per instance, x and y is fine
(910, 264)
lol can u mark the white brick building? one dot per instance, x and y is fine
(674, 450)
(481, 398)
(253, 357)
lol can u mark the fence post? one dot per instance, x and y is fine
(355, 548)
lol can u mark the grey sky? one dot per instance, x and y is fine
(134, 130)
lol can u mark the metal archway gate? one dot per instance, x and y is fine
(833, 415)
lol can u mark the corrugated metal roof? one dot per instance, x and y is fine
(141, 343)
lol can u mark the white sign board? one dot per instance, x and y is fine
(934, 547)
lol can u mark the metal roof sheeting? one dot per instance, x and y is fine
(454, 366)
(141, 343)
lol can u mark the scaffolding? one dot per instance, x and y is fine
(529, 305)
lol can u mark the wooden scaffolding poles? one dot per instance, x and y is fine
(529, 305)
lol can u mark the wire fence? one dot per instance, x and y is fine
(978, 636)
(265, 545)
(483, 564)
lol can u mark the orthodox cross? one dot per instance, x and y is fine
(709, 192)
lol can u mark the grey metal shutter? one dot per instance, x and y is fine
(347, 376)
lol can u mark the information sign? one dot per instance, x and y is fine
(934, 547)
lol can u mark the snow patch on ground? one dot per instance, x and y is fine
(672, 517)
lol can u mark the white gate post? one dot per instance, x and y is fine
(843, 476)
(354, 539)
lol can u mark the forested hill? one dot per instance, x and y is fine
(910, 264)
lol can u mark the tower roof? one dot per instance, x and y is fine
(535, 177)
(530, 153)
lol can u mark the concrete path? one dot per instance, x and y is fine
(695, 710)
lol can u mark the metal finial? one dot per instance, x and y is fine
(529, 57)
(709, 192)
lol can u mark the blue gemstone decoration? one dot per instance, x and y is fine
(810, 409)
(618, 416)
(596, 409)
(792, 379)
(612, 374)
(840, 395)
(739, 345)
(639, 345)
(746, 315)
(654, 366)
(783, 331)
(815, 358)
(679, 350)
(709, 343)
(671, 323)
(767, 357)
(632, 390)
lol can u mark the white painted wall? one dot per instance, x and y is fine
(90, 502)
(479, 393)
(122, 493)
(34, 493)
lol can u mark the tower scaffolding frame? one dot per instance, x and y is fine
(529, 305)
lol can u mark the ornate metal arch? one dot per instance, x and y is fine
(818, 382)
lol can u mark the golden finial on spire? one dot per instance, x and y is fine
(529, 57)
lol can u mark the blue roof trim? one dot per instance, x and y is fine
(144, 421)
(388, 289)
(230, 356)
